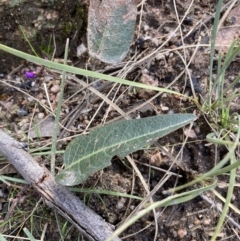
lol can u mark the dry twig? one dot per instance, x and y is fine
(56, 196)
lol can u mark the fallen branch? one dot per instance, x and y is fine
(55, 195)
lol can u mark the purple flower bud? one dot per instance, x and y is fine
(30, 75)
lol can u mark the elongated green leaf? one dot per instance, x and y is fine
(88, 154)
(2, 238)
(28, 233)
(111, 26)
(75, 70)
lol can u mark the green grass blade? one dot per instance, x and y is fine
(227, 168)
(57, 118)
(230, 52)
(228, 61)
(228, 200)
(5, 179)
(175, 199)
(30, 236)
(232, 84)
(28, 42)
(212, 139)
(213, 41)
(229, 192)
(210, 173)
(74, 70)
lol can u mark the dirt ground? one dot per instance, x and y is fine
(159, 55)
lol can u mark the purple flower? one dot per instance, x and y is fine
(30, 75)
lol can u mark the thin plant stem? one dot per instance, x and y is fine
(213, 40)
(229, 194)
(26, 39)
(56, 124)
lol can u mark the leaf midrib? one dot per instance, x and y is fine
(120, 143)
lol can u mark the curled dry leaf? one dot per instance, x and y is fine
(111, 26)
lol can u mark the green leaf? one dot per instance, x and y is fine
(110, 28)
(30, 236)
(88, 154)
(2, 238)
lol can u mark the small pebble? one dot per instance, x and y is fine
(190, 133)
(55, 89)
(48, 78)
(40, 116)
(146, 27)
(197, 221)
(185, 97)
(81, 49)
(182, 233)
(206, 221)
(174, 233)
(197, 129)
(22, 112)
(25, 127)
(30, 99)
(155, 41)
(67, 110)
(1, 193)
(190, 225)
(86, 122)
(164, 108)
(159, 56)
(121, 203)
(18, 79)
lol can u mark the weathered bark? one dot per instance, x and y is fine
(56, 196)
